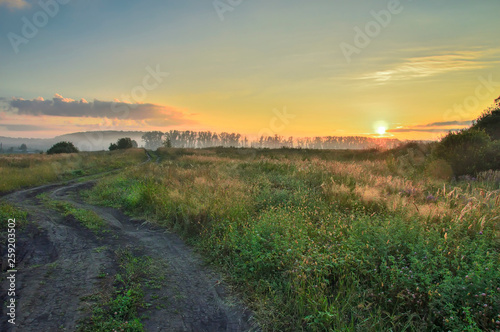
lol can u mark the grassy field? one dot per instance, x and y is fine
(28, 170)
(332, 240)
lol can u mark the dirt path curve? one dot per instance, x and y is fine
(60, 262)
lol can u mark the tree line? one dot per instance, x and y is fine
(207, 139)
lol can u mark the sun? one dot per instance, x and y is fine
(381, 130)
(380, 127)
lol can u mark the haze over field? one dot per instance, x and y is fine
(399, 69)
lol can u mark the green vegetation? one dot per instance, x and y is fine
(62, 147)
(489, 121)
(123, 144)
(475, 149)
(332, 240)
(116, 310)
(18, 171)
(87, 218)
(9, 211)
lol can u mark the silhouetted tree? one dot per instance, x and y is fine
(122, 144)
(489, 121)
(62, 147)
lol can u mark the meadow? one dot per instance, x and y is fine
(29, 170)
(331, 240)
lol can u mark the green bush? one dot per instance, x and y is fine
(490, 121)
(467, 151)
(123, 144)
(62, 147)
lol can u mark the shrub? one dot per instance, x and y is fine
(489, 121)
(467, 151)
(123, 144)
(62, 147)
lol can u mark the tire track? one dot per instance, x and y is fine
(61, 263)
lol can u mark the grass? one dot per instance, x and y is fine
(22, 170)
(9, 211)
(332, 240)
(117, 310)
(87, 218)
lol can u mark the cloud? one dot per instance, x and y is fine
(418, 67)
(20, 127)
(421, 130)
(14, 4)
(448, 123)
(434, 127)
(147, 114)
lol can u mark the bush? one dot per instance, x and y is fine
(62, 147)
(467, 151)
(123, 144)
(490, 121)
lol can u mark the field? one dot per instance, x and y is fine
(326, 240)
(28, 170)
(332, 240)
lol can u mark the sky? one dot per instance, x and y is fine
(404, 69)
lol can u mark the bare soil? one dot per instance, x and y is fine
(61, 264)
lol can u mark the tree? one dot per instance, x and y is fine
(489, 121)
(167, 143)
(153, 139)
(62, 147)
(23, 147)
(123, 144)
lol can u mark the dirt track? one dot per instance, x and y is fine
(59, 263)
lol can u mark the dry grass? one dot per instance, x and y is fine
(27, 170)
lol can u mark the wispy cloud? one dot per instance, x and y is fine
(21, 127)
(146, 114)
(14, 4)
(418, 67)
(434, 127)
(447, 123)
(421, 130)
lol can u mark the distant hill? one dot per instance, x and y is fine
(85, 141)
(100, 140)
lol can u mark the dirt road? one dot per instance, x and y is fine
(61, 264)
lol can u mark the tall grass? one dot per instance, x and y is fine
(319, 242)
(22, 170)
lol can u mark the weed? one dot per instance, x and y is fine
(319, 242)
